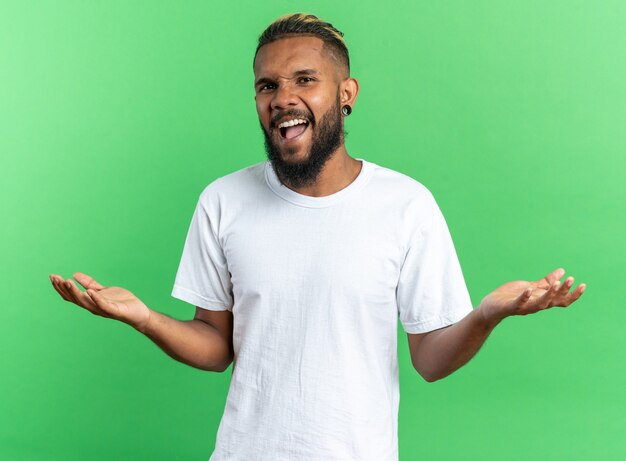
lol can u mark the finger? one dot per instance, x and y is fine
(57, 287)
(68, 286)
(574, 295)
(544, 300)
(552, 277)
(87, 282)
(524, 296)
(62, 288)
(81, 298)
(108, 307)
(74, 295)
(567, 284)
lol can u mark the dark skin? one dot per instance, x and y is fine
(278, 87)
(300, 73)
(281, 84)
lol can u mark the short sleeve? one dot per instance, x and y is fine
(203, 278)
(431, 291)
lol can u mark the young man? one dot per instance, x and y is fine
(300, 266)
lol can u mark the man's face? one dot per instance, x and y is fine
(297, 80)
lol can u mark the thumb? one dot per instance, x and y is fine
(554, 276)
(87, 282)
(107, 306)
(523, 296)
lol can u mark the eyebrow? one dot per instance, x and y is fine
(263, 80)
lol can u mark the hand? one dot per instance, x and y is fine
(522, 298)
(110, 302)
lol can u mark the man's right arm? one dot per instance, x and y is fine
(194, 342)
(204, 342)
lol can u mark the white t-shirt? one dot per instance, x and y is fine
(316, 286)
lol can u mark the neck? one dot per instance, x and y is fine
(339, 171)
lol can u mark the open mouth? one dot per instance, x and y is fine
(292, 129)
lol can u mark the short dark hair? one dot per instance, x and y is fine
(307, 24)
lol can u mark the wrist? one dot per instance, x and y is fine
(488, 317)
(143, 325)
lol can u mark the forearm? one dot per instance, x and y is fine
(192, 342)
(444, 351)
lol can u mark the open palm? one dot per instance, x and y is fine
(523, 298)
(111, 302)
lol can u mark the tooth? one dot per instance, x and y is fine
(292, 122)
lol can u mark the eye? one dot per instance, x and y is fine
(267, 86)
(306, 79)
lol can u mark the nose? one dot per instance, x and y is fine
(284, 97)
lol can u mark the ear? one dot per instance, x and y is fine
(348, 91)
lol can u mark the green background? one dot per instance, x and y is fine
(115, 115)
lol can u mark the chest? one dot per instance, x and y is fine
(351, 250)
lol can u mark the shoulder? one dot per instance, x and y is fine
(242, 178)
(404, 190)
(239, 183)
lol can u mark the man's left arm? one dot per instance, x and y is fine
(438, 353)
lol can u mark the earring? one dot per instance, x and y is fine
(346, 110)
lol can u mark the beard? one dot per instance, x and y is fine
(327, 136)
